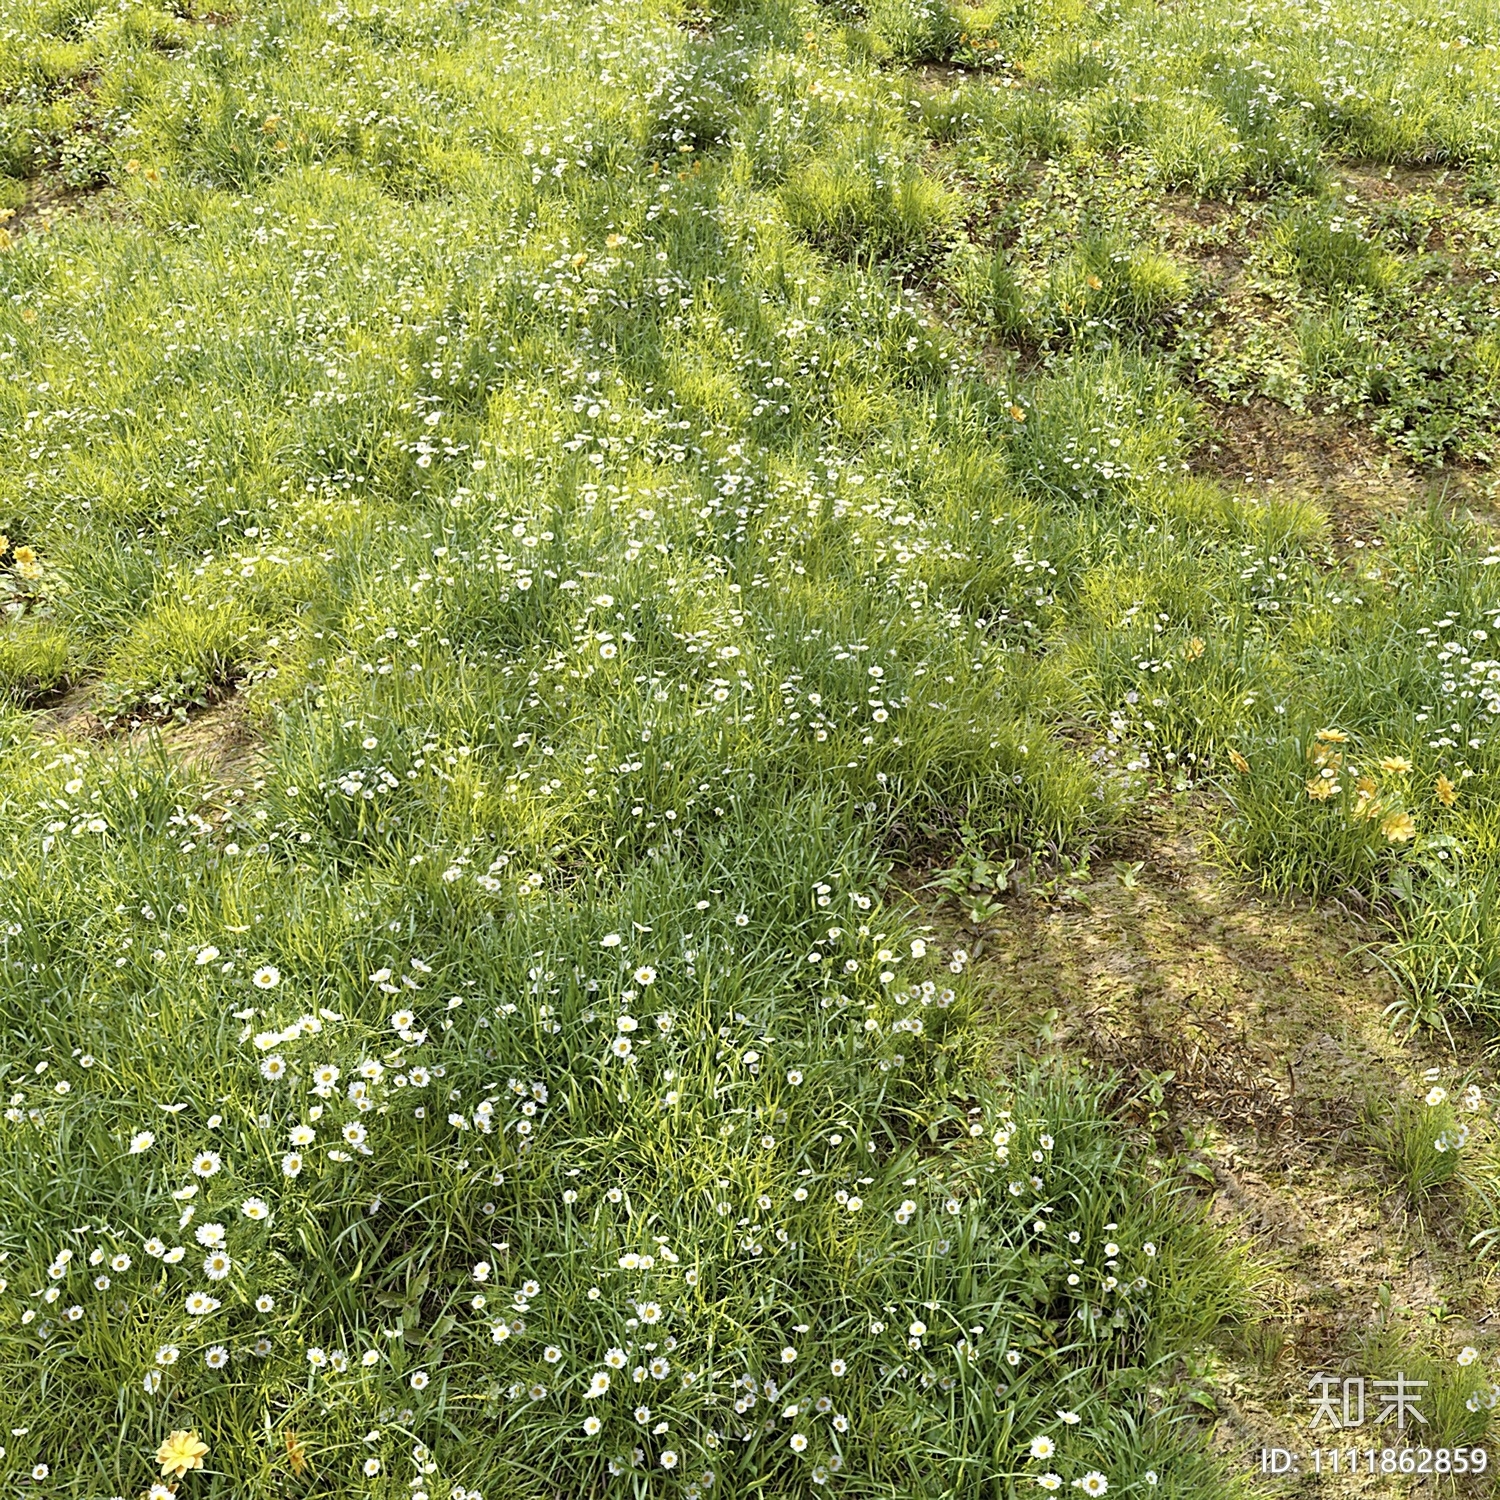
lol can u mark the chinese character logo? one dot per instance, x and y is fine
(1341, 1403)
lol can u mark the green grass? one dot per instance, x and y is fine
(649, 473)
(1422, 1140)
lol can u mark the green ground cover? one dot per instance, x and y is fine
(649, 474)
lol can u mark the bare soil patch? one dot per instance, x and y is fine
(218, 740)
(1339, 465)
(1377, 182)
(50, 201)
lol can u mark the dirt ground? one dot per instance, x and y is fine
(1349, 473)
(218, 740)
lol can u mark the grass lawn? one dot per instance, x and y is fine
(570, 572)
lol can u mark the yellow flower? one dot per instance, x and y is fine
(181, 1451)
(614, 241)
(1399, 827)
(1333, 736)
(1395, 765)
(1194, 649)
(296, 1452)
(1365, 786)
(579, 259)
(1095, 284)
(26, 564)
(1016, 414)
(1447, 792)
(1239, 762)
(1320, 789)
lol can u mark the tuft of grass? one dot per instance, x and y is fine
(1102, 428)
(1325, 252)
(1456, 1398)
(1193, 147)
(915, 29)
(1421, 1143)
(1445, 949)
(35, 658)
(176, 657)
(1106, 278)
(865, 196)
